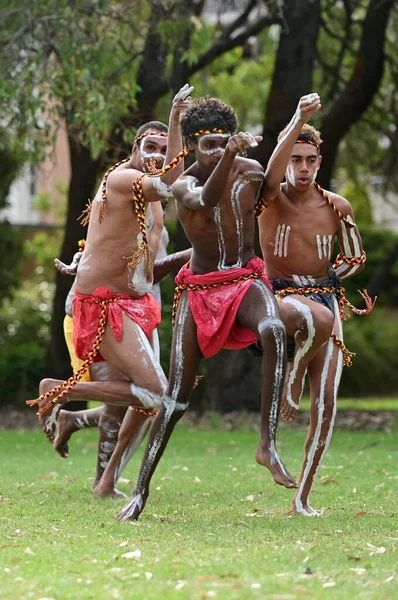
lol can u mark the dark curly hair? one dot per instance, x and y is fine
(308, 134)
(208, 113)
(157, 125)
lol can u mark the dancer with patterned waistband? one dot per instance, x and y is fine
(114, 315)
(297, 235)
(223, 298)
(113, 454)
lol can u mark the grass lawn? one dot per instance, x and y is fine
(211, 529)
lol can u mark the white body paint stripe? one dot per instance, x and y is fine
(300, 352)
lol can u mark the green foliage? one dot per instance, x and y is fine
(24, 333)
(212, 527)
(357, 195)
(377, 244)
(11, 160)
(375, 366)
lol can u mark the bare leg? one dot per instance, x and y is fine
(135, 425)
(68, 422)
(311, 325)
(259, 312)
(185, 360)
(131, 434)
(325, 374)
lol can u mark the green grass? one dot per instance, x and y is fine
(211, 529)
(376, 404)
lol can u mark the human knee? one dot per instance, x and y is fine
(323, 323)
(175, 407)
(272, 330)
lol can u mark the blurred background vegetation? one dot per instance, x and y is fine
(99, 68)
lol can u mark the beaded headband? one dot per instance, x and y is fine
(308, 142)
(148, 133)
(208, 132)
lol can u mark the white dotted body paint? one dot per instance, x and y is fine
(315, 442)
(300, 352)
(212, 136)
(281, 240)
(324, 245)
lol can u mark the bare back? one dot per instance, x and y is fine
(110, 243)
(222, 237)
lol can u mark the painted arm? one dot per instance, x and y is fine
(68, 269)
(351, 259)
(277, 164)
(192, 195)
(172, 262)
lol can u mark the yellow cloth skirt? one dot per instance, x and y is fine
(74, 361)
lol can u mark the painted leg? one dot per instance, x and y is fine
(185, 359)
(259, 312)
(325, 374)
(149, 386)
(131, 434)
(311, 324)
(68, 422)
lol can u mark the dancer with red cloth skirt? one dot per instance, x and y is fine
(223, 298)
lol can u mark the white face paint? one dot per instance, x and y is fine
(150, 155)
(324, 245)
(212, 136)
(281, 240)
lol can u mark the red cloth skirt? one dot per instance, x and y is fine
(144, 311)
(214, 310)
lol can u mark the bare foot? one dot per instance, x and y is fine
(305, 509)
(48, 422)
(272, 461)
(105, 492)
(65, 428)
(133, 508)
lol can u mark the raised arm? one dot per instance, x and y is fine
(352, 258)
(187, 189)
(277, 165)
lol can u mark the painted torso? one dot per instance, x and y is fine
(222, 237)
(297, 239)
(116, 237)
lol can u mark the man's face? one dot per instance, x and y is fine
(303, 166)
(150, 152)
(210, 148)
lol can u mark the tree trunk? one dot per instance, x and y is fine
(360, 89)
(293, 70)
(83, 180)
